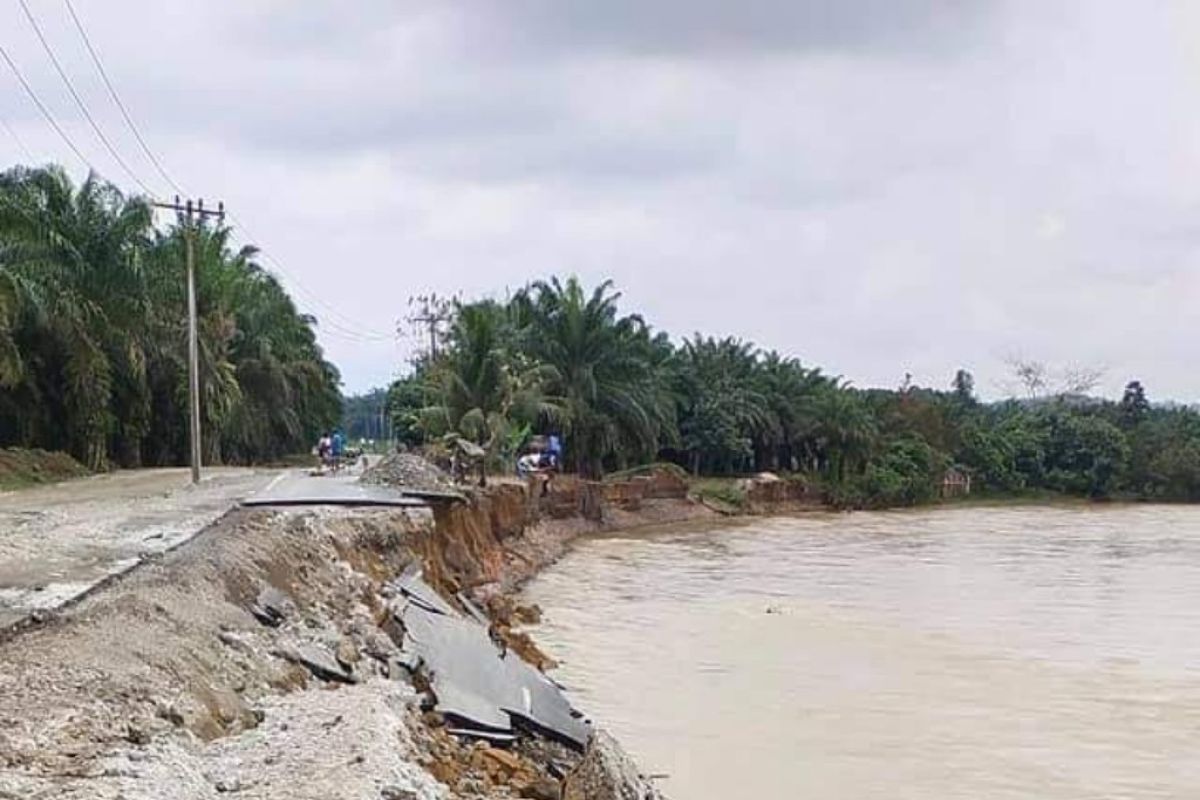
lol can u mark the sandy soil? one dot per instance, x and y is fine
(59, 541)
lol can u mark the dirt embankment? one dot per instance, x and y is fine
(20, 467)
(259, 660)
(165, 685)
(490, 545)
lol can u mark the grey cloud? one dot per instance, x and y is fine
(600, 158)
(815, 176)
(711, 27)
(680, 27)
(335, 30)
(384, 117)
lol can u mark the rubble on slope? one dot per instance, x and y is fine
(262, 660)
(408, 471)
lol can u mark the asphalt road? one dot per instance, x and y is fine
(57, 542)
(299, 487)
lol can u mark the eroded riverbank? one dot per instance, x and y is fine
(167, 682)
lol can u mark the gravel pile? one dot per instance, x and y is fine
(408, 471)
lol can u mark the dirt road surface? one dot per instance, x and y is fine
(57, 542)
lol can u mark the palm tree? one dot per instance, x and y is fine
(72, 267)
(268, 388)
(788, 389)
(485, 387)
(614, 405)
(723, 413)
(794, 393)
(93, 337)
(846, 432)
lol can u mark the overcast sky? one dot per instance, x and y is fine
(877, 187)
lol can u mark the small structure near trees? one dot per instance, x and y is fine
(956, 482)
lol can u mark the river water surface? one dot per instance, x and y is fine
(1031, 652)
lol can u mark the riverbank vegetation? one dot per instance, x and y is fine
(93, 334)
(559, 358)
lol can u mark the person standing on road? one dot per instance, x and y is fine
(337, 447)
(324, 448)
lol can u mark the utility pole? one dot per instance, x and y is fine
(433, 312)
(188, 214)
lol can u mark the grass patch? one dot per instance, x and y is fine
(648, 470)
(720, 492)
(20, 468)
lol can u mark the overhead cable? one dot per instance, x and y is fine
(346, 328)
(79, 101)
(116, 98)
(37, 101)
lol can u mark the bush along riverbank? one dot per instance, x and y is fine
(560, 359)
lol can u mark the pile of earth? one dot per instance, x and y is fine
(408, 471)
(20, 467)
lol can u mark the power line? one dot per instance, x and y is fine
(45, 111)
(348, 326)
(347, 323)
(347, 329)
(20, 144)
(116, 98)
(79, 100)
(330, 319)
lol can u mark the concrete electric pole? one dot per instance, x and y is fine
(188, 214)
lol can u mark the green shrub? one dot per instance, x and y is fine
(723, 491)
(648, 469)
(909, 472)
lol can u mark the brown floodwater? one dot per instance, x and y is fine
(984, 652)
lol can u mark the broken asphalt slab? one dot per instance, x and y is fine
(298, 488)
(272, 607)
(486, 691)
(317, 660)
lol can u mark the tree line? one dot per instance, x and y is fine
(93, 334)
(558, 358)
(365, 418)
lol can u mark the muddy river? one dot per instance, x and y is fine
(1049, 652)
